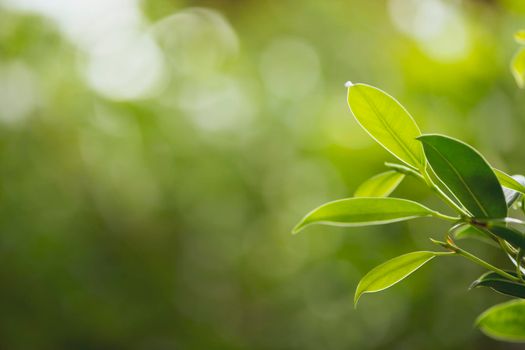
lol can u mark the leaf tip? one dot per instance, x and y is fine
(356, 299)
(473, 285)
(297, 228)
(479, 319)
(349, 84)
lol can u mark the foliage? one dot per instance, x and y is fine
(160, 222)
(482, 197)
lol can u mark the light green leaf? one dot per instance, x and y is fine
(504, 321)
(466, 174)
(509, 181)
(364, 212)
(513, 186)
(380, 185)
(519, 36)
(387, 122)
(517, 67)
(392, 272)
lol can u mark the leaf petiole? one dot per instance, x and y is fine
(454, 248)
(442, 195)
(426, 180)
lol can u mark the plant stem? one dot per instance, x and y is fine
(442, 195)
(454, 248)
(427, 181)
(445, 217)
(405, 170)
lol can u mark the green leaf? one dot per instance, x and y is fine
(364, 211)
(500, 284)
(519, 36)
(471, 232)
(504, 321)
(515, 182)
(517, 67)
(513, 185)
(380, 185)
(387, 122)
(466, 174)
(509, 234)
(392, 272)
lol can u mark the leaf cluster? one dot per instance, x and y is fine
(481, 198)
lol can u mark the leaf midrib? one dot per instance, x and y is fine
(461, 179)
(403, 275)
(405, 148)
(398, 214)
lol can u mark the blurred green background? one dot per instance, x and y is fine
(155, 154)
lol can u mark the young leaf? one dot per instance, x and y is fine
(466, 174)
(515, 182)
(500, 284)
(504, 321)
(517, 67)
(380, 185)
(513, 186)
(387, 122)
(392, 272)
(364, 211)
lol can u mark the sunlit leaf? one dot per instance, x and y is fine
(466, 174)
(393, 271)
(500, 284)
(364, 211)
(517, 67)
(387, 122)
(380, 185)
(504, 321)
(515, 182)
(513, 186)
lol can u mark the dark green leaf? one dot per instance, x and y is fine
(380, 185)
(364, 212)
(504, 321)
(466, 174)
(509, 234)
(500, 284)
(393, 271)
(387, 122)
